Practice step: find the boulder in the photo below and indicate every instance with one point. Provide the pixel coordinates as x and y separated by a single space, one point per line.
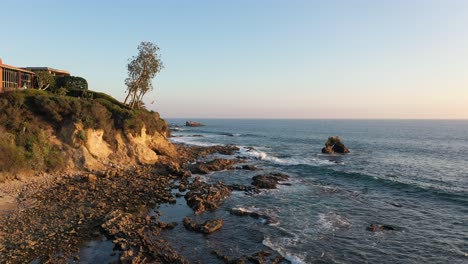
334 145
248 189
377 228
254 213
249 167
208 227
268 181
193 124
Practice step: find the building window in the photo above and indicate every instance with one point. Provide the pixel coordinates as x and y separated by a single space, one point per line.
10 78
25 80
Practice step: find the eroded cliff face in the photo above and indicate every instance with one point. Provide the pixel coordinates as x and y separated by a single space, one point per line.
87 149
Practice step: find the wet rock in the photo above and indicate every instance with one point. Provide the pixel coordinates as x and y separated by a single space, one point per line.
268 181
249 189
254 214
334 145
261 257
163 225
203 196
377 228
193 124
395 204
192 153
169 167
249 167
213 165
182 187
208 227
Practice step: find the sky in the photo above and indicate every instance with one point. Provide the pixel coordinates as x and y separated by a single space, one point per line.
398 59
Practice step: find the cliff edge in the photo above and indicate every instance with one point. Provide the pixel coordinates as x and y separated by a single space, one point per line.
41 131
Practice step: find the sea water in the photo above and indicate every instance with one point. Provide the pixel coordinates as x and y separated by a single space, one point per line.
409 174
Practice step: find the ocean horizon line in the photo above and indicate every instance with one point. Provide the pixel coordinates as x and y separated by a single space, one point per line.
344 119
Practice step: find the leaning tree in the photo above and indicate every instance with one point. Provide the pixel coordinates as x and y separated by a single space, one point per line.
141 70
44 80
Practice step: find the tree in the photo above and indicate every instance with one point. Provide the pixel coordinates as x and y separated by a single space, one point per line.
44 80
141 70
71 82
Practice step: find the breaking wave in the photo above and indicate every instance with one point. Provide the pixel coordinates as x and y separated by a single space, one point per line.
279 247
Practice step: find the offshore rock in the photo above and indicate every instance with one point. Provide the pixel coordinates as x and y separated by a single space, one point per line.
193 124
334 145
249 167
208 227
377 228
248 189
254 213
268 181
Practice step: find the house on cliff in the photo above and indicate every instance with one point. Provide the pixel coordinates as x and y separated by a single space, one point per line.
12 78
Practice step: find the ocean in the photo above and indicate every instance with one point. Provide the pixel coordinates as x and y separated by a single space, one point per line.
408 174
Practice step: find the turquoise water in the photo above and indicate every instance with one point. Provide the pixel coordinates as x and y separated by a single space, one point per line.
412 175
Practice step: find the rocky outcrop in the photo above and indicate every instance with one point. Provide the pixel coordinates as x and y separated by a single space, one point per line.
247 189
268 181
193 124
259 258
377 228
203 196
207 227
78 208
213 165
192 153
88 147
334 145
249 167
254 213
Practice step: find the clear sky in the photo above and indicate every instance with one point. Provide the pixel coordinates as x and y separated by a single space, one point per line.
259 58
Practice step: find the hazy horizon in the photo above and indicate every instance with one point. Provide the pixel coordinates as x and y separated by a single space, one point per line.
294 118
260 59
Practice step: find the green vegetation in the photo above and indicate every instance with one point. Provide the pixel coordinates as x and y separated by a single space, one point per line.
141 70
44 80
58 84
71 82
28 117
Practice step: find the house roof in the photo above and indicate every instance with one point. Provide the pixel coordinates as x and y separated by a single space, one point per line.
46 69
6 66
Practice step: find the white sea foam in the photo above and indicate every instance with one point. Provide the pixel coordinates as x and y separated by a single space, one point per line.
191 141
333 221
264 215
250 209
261 155
280 248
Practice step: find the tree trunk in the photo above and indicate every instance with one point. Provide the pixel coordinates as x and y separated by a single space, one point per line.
128 95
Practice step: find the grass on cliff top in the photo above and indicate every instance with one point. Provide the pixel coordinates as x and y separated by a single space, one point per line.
28 117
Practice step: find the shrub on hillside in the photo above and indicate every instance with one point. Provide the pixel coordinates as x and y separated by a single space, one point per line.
12 157
71 82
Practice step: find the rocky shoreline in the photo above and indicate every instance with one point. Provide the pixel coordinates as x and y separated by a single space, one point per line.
54 219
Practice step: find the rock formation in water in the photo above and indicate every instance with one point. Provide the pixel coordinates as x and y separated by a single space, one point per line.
268 181
193 124
207 227
334 145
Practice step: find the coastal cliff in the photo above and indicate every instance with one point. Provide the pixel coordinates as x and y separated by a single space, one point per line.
41 131
77 170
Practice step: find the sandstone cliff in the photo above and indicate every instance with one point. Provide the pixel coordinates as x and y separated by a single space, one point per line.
40 131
